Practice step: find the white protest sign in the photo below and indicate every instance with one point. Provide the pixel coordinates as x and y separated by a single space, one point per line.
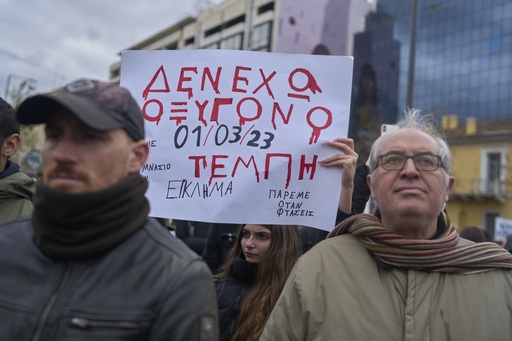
502 228
236 136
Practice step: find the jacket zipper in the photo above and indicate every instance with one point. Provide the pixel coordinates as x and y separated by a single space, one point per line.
84 323
234 323
51 302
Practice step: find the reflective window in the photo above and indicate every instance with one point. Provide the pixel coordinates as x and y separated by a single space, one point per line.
214 46
463 55
232 43
260 37
495 44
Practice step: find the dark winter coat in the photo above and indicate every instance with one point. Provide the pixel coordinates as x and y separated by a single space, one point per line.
231 292
149 287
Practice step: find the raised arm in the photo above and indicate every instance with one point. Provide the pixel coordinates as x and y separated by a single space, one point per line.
347 160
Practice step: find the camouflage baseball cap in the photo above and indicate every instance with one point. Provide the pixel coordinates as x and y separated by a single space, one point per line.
99 105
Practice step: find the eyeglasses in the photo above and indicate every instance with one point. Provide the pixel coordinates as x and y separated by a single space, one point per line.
423 162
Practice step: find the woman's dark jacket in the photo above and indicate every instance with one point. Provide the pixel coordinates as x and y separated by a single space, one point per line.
231 292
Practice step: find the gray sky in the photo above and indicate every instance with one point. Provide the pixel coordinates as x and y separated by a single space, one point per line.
56 41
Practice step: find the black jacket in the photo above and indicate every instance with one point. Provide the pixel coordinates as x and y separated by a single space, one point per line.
149 287
193 233
231 292
221 239
360 196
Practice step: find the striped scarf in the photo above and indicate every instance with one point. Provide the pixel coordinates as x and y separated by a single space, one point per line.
441 254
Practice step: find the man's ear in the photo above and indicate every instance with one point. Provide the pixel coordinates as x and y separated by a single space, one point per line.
369 182
140 152
11 145
451 182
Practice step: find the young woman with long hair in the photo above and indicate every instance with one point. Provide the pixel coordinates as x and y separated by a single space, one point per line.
251 279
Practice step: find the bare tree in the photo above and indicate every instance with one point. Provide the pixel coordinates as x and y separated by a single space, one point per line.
31 135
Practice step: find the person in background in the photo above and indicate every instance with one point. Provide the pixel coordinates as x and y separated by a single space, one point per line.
16 188
89 264
221 239
401 272
479 235
193 233
362 192
474 233
252 278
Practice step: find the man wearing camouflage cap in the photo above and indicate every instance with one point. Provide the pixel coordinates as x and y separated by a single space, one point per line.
89 264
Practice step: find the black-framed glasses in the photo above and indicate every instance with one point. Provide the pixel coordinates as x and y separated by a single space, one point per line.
423 162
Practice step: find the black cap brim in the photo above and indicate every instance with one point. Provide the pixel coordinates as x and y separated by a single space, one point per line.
36 109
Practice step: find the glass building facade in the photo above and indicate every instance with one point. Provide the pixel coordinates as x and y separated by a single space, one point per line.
462 56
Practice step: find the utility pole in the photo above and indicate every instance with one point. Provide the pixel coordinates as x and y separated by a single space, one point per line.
412 55
249 28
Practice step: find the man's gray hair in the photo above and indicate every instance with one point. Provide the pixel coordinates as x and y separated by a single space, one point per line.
413 119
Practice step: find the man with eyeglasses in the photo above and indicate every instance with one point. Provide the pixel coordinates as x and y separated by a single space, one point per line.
401 272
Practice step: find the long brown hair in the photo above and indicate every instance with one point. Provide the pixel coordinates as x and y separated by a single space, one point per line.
273 270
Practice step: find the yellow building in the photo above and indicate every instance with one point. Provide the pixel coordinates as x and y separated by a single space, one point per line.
481 166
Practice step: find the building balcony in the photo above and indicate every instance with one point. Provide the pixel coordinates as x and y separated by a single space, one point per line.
479 189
